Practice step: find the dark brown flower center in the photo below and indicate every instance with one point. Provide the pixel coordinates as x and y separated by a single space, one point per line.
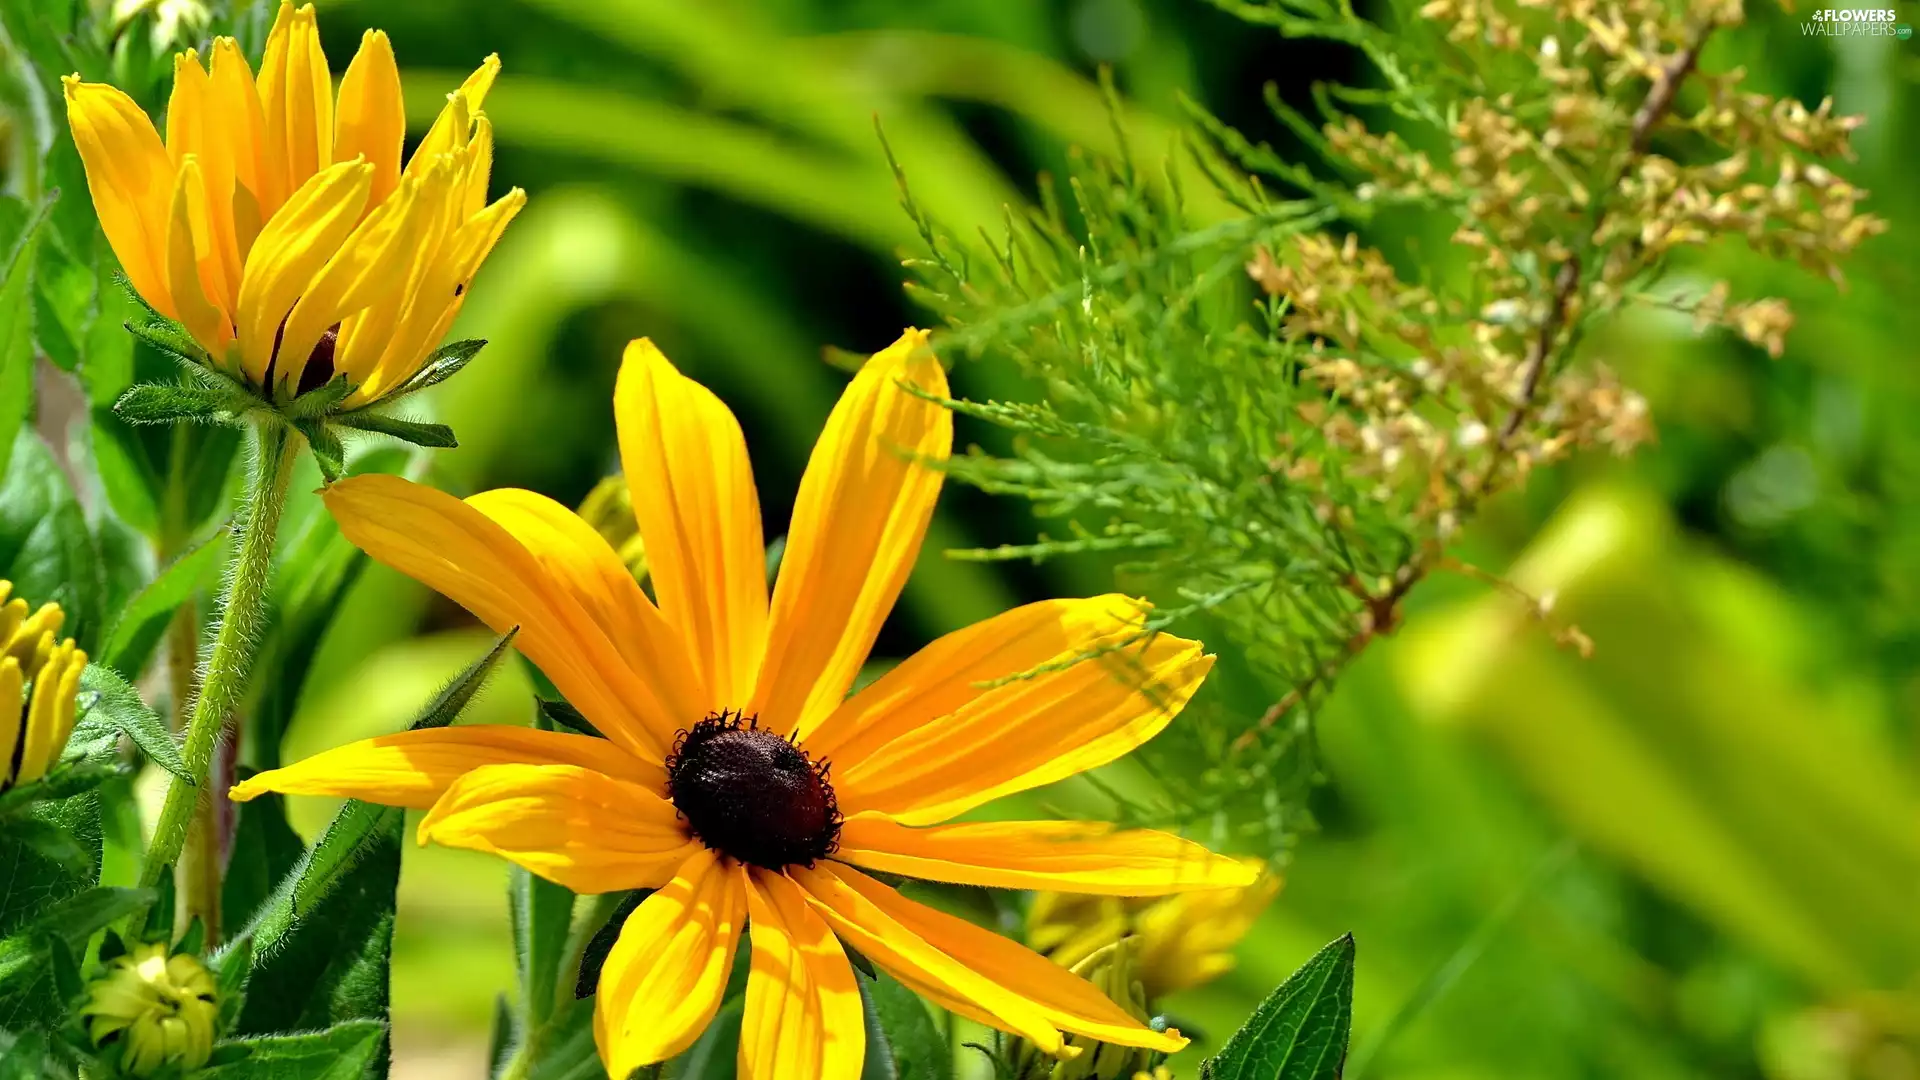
752 795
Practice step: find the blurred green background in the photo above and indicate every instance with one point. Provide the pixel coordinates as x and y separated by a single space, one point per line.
1695 855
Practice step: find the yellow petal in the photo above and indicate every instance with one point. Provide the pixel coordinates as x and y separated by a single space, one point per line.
1071 856
372 120
664 978
1066 1000
191 132
438 294
13 715
574 826
192 262
803 1018
47 723
458 551
480 169
578 560
454 126
414 768
692 486
840 895
130 179
290 251
234 112
922 768
296 96
366 337
862 510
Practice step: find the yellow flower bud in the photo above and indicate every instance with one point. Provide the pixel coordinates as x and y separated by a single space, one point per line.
39 682
160 1009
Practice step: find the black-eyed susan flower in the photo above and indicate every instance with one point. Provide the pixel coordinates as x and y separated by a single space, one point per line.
277 223
39 681
737 778
154 1009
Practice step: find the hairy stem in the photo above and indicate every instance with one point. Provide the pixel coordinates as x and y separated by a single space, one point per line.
223 680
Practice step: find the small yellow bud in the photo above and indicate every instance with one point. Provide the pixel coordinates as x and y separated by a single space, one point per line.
39 684
160 1009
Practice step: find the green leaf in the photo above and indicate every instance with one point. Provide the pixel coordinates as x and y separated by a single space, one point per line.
46 548
321 400
561 715
134 636
331 916
232 970
328 453
445 362
265 850
164 334
35 887
919 1048
594 957
341 1052
163 403
64 781
16 331
115 702
72 922
542 914
878 1062
438 436
1300 1031
126 470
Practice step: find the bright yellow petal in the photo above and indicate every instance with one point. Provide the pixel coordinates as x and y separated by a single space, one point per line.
458 551
438 293
862 510
290 251
47 722
296 96
372 120
366 337
574 826
191 132
13 715
130 179
454 126
923 767
692 485
840 895
803 1018
191 261
234 112
480 170
1068 1001
664 978
414 768
578 559
1069 856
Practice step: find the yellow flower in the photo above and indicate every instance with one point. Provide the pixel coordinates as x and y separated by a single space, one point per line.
1180 942
159 1009
737 778
39 678
276 223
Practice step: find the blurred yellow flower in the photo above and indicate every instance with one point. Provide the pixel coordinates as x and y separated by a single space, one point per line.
738 779
1180 942
39 678
276 222
159 1009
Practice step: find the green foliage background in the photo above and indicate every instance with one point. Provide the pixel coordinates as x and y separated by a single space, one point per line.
1696 854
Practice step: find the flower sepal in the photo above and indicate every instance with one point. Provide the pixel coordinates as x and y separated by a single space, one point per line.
209 394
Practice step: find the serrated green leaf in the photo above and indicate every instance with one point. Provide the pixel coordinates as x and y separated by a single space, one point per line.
232 970
161 403
919 1049
134 636
63 782
114 701
72 921
1300 1031
341 1052
437 436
